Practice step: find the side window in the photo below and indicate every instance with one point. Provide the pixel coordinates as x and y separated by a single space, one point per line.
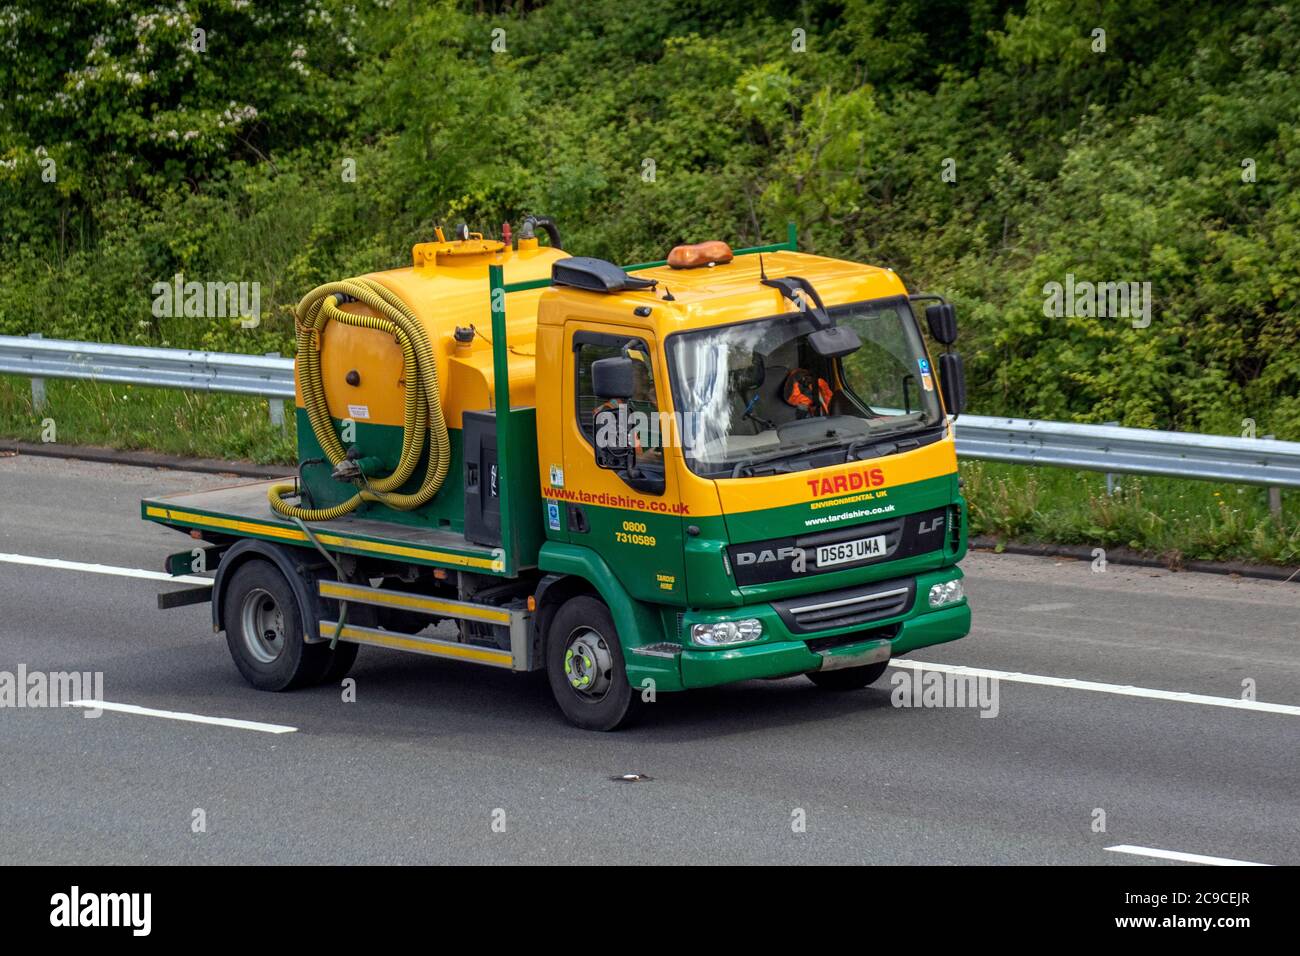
643 407
589 352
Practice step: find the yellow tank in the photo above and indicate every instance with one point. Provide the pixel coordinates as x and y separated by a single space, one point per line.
433 318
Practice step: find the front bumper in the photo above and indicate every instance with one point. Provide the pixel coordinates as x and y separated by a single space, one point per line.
782 653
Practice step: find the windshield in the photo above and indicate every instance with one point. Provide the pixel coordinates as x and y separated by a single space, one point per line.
756 392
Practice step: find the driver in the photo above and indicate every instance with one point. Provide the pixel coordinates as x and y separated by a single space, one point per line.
808 394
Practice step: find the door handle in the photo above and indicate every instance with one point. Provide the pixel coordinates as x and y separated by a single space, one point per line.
578 520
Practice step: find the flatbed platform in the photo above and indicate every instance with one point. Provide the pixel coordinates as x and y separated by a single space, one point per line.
243 510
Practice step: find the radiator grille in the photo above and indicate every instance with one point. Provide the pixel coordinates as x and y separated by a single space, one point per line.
847 607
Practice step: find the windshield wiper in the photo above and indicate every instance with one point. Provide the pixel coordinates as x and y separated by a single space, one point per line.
878 447
867 441
753 460
884 444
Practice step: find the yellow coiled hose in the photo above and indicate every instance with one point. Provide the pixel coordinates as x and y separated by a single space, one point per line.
423 418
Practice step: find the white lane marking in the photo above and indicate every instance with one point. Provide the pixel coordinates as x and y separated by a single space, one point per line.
1124 690
1181 857
189 718
101 569
1046 607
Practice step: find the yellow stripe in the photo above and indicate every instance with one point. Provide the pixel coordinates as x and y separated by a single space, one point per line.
405 552
293 534
458 652
398 599
230 524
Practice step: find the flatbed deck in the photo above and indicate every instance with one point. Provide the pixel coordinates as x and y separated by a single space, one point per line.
243 510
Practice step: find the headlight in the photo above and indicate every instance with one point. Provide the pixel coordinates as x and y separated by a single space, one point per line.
727 632
949 592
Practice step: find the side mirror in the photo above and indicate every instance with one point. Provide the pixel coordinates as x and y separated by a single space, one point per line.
942 319
612 378
616 449
611 440
952 379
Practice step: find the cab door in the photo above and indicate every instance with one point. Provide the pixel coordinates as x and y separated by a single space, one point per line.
637 532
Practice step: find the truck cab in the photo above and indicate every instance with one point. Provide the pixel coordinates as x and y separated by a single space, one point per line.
752 506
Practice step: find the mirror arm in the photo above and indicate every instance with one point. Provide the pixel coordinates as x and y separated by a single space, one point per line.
927 297
789 285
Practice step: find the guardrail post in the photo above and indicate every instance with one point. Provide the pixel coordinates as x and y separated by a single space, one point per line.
1275 499
38 384
1110 478
276 404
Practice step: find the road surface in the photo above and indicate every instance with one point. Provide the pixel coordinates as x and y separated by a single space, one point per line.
443 762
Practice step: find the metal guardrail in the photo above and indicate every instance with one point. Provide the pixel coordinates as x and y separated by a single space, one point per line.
1105 448
269 376
1135 451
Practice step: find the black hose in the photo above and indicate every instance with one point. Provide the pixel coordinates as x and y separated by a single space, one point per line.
552 230
302 480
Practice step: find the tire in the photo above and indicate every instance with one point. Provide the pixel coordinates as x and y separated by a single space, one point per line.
398 619
344 654
264 631
341 660
850 678
584 664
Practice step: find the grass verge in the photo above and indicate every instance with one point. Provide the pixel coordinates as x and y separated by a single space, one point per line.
193 424
1174 519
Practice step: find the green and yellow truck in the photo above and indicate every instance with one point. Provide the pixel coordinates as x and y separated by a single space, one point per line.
640 479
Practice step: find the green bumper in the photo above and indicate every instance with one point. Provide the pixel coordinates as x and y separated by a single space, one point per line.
782 654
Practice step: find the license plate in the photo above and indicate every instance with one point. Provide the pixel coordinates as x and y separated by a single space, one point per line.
829 555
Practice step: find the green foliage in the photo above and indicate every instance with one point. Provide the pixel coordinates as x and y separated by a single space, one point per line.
638 126
141 99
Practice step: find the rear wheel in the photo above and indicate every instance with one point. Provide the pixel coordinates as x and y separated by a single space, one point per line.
400 619
344 654
850 678
341 660
264 631
584 664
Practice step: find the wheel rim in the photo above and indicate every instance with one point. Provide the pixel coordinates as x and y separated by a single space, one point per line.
588 664
263 625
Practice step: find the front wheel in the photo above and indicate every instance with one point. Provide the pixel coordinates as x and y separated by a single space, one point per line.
850 678
584 664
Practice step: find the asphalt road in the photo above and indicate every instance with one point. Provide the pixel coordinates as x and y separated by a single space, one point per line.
431 753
